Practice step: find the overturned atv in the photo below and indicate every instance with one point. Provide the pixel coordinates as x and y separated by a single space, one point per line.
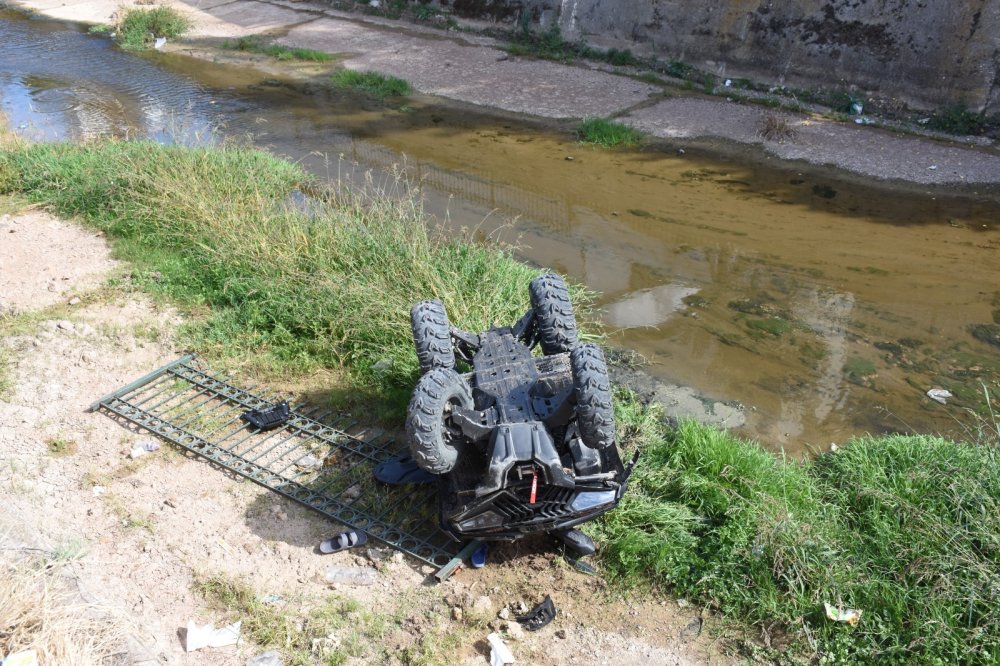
523 443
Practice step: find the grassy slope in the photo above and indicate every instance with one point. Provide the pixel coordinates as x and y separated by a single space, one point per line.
327 285
906 529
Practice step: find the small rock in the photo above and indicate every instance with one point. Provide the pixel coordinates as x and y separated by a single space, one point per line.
269 658
65 325
514 630
683 603
692 630
457 613
74 301
377 554
504 613
561 633
570 158
522 608
309 462
171 502
503 56
483 604
352 493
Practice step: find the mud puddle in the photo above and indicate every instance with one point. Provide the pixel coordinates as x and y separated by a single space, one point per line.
828 308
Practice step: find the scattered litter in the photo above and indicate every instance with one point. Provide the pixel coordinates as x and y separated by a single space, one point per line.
98 490
374 3
350 575
269 658
924 121
160 41
74 301
22 658
270 418
271 599
933 167
939 395
207 635
500 654
383 365
143 447
729 82
343 541
848 615
539 616
581 566
857 108
225 546
478 559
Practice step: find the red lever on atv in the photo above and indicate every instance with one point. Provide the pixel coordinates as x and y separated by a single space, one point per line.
534 485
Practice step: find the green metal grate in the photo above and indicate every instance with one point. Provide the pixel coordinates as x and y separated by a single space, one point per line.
323 463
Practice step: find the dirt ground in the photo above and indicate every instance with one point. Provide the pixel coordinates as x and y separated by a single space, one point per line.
138 532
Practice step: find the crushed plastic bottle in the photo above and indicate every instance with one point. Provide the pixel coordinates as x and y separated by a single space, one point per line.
351 575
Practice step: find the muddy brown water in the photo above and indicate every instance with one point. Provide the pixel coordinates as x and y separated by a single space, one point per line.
826 306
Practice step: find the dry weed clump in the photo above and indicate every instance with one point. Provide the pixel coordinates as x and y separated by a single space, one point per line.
773 127
41 610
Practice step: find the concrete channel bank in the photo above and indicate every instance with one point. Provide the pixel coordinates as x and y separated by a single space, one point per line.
470 68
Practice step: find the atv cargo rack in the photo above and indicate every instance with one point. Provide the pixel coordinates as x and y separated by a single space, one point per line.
322 463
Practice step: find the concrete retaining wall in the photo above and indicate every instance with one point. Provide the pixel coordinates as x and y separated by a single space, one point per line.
926 53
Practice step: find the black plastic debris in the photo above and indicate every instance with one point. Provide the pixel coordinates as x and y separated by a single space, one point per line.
270 418
539 616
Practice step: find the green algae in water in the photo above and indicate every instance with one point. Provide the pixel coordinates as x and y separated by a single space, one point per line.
773 327
988 333
858 368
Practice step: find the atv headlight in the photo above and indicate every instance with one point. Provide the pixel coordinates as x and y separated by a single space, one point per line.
590 500
482 520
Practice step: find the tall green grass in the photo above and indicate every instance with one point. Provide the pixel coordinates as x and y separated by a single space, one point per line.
373 83
256 44
607 133
906 529
329 283
138 28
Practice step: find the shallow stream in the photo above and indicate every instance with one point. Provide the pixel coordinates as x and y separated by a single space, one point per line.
825 306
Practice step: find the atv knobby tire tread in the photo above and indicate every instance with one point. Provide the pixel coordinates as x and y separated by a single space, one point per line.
553 314
594 411
426 427
432 336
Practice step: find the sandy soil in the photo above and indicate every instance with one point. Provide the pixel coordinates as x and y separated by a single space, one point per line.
143 529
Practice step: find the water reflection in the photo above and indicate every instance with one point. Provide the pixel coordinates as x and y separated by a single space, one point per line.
647 307
735 279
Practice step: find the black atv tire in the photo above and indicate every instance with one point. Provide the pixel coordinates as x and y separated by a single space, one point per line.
595 415
428 433
432 336
554 317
